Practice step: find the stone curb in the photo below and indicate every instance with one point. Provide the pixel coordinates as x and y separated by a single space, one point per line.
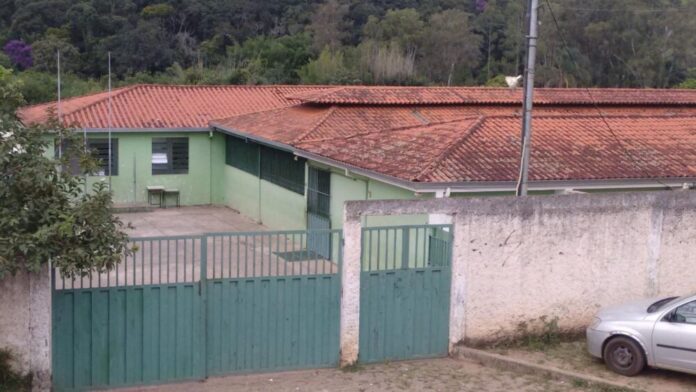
516 365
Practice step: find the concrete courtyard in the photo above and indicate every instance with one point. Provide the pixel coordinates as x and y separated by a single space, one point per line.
187 221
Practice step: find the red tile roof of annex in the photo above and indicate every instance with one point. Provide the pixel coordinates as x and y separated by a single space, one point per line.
455 144
165 106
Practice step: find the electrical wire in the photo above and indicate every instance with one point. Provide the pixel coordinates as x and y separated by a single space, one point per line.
594 103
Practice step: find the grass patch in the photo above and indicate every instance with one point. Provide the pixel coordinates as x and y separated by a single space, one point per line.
539 334
352 368
11 381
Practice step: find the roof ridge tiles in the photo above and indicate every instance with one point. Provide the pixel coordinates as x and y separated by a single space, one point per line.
449 148
48 103
218 121
597 116
382 130
117 93
312 129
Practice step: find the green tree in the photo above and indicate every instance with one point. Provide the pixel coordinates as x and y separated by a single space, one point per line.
403 27
10 96
44 212
45 54
329 26
328 68
450 45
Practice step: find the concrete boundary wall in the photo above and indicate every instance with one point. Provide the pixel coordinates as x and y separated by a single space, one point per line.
25 324
518 259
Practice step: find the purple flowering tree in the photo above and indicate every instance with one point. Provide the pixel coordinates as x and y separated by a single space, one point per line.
19 53
481 5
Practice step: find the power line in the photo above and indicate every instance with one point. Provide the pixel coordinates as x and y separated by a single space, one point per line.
594 103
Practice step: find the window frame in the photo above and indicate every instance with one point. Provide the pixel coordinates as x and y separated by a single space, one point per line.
169 144
74 164
114 156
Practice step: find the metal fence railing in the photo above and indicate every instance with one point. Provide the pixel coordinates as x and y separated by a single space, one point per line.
187 259
402 247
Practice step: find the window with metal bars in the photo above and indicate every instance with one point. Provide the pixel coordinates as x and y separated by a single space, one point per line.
170 155
242 154
283 169
276 166
99 148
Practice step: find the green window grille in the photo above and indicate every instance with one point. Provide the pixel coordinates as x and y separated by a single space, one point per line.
276 166
99 148
283 169
100 151
242 154
170 155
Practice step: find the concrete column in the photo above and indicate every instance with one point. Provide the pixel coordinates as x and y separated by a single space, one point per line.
350 291
40 326
457 319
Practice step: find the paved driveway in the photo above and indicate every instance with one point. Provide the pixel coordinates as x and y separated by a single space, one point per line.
423 375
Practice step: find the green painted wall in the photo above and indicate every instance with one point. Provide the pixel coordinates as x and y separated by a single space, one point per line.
217 169
359 188
267 203
135 168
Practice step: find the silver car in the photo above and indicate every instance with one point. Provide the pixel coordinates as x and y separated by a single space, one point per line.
659 332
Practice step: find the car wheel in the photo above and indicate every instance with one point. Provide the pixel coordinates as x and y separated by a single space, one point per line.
624 355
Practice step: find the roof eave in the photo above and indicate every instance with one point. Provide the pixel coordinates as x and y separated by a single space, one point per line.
154 130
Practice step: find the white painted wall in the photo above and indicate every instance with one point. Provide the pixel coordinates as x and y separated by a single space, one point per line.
518 259
25 324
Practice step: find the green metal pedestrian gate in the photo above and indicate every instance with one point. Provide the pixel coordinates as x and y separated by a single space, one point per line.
404 292
188 307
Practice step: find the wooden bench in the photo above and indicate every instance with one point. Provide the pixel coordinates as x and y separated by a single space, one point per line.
158 191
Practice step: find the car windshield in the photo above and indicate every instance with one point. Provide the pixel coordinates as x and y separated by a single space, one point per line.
661 303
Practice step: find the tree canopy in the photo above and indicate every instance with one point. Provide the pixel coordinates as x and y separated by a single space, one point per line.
45 213
627 43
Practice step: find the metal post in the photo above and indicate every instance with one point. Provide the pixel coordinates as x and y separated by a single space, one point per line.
109 122
532 9
58 86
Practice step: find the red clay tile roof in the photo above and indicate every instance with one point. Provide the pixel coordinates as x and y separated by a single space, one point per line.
430 135
487 149
436 144
387 95
166 106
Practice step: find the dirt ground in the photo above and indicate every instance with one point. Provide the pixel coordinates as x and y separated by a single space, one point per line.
422 375
573 356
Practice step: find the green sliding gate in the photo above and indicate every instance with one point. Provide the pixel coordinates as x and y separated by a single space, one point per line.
404 292
189 307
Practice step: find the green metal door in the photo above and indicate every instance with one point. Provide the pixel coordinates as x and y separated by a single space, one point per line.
273 304
318 211
404 292
140 324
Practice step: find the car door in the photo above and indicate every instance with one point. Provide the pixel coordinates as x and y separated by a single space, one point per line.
674 338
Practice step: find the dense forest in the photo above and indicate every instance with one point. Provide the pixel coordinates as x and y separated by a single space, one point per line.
617 43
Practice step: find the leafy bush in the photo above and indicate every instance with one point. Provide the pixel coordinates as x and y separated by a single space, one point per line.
10 381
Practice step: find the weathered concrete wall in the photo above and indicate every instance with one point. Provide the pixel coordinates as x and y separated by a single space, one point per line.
25 324
518 259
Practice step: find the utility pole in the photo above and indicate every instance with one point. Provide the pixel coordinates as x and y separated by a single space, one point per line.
532 11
